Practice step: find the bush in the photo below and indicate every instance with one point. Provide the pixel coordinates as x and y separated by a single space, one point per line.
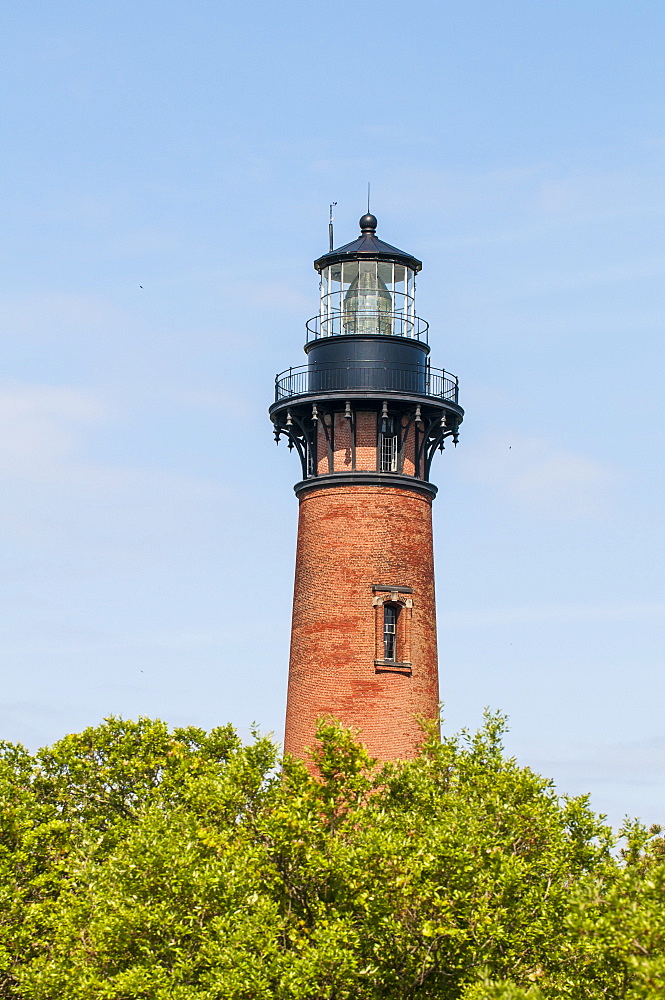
138 862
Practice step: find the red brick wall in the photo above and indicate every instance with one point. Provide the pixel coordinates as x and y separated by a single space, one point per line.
322 450
343 444
365 440
336 440
349 539
408 448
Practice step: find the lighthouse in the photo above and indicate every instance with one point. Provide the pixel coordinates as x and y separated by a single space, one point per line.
366 415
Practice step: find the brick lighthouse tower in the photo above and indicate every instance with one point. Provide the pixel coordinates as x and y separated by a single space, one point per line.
366 415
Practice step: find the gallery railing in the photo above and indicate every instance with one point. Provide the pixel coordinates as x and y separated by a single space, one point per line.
367 322
361 376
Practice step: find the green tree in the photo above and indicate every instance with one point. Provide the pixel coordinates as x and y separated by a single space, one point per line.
78 798
143 863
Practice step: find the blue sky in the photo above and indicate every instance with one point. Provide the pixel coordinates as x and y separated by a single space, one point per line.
147 521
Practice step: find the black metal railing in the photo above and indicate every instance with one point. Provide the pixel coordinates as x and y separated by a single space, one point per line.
361 376
369 323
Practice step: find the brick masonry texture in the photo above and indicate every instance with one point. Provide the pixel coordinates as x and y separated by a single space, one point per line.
349 540
408 450
343 444
365 440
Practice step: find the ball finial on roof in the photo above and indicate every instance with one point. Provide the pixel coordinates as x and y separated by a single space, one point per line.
368 224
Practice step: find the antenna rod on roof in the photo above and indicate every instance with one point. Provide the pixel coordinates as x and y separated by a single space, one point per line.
330 227
368 197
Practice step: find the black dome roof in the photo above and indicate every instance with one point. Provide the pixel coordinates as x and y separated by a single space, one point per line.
368 247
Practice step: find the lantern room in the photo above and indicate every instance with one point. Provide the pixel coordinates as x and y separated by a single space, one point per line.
367 289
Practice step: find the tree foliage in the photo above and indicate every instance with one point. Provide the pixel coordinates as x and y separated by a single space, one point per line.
138 862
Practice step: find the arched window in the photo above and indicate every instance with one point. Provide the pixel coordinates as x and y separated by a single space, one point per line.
390 616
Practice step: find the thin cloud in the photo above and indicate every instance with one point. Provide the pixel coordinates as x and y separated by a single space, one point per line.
54 491
38 316
540 478
527 202
41 428
630 763
555 614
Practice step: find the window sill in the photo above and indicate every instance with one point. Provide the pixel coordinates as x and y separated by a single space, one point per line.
392 666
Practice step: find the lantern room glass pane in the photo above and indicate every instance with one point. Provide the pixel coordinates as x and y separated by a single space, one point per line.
368 303
350 273
367 275
331 301
385 274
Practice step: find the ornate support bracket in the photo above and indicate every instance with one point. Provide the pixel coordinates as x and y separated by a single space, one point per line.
299 436
436 429
308 428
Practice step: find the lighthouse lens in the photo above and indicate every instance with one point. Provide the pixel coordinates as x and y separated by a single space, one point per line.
368 304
